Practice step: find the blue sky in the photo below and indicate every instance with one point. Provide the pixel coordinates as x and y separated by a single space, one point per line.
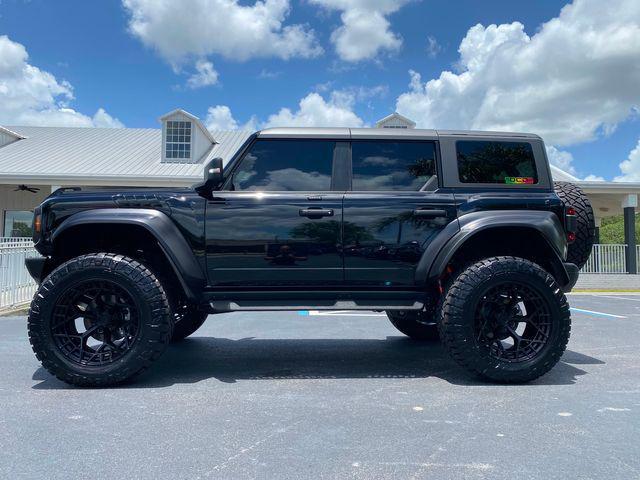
93 50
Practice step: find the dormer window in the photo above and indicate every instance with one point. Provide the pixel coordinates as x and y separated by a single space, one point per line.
178 140
184 138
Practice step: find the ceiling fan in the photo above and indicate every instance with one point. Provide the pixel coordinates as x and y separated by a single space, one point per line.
26 188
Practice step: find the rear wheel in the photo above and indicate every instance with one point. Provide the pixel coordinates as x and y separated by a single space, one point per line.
506 319
572 195
417 325
99 319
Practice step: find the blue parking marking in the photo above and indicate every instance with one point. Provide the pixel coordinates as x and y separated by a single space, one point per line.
597 314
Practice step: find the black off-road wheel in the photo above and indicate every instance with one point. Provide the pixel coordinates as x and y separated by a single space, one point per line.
506 319
186 320
572 195
417 325
99 319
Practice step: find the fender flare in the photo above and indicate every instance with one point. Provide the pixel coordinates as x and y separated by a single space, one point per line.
172 242
446 244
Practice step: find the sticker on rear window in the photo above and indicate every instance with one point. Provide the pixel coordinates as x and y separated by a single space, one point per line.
519 180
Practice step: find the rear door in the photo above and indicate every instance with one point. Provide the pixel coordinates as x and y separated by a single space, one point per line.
393 211
278 220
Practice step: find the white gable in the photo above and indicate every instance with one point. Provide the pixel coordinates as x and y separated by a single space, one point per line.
395 120
8 136
184 138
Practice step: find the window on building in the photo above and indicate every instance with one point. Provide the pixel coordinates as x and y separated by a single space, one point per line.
509 163
286 165
18 223
394 165
178 141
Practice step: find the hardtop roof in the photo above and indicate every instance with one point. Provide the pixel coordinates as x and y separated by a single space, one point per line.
382 133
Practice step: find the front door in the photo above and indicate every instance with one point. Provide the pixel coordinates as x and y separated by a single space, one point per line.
393 211
278 220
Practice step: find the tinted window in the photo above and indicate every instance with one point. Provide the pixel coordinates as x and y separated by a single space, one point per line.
381 165
496 162
286 165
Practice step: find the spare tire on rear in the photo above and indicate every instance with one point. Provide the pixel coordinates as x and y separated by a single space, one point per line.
573 196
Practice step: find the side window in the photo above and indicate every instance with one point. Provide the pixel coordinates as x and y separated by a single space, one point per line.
392 165
510 163
286 165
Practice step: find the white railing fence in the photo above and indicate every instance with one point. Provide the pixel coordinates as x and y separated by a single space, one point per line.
16 285
606 258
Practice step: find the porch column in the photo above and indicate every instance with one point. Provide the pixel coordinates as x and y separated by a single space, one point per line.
629 204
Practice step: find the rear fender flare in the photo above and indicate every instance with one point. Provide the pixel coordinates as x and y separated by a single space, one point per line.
446 244
171 241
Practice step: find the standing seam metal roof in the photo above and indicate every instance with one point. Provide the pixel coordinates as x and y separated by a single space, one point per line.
103 152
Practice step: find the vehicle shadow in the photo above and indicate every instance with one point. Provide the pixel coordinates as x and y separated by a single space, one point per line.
227 360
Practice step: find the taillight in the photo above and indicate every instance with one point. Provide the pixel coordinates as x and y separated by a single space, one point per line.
570 223
37 224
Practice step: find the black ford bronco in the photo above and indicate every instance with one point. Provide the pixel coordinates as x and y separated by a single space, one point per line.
461 236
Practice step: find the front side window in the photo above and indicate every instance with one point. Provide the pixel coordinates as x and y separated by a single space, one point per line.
392 165
285 165
17 223
178 141
510 163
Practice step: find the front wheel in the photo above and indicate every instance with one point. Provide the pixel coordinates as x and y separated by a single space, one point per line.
506 319
99 319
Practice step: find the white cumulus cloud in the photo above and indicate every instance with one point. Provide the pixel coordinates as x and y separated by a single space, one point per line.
313 111
365 31
630 167
204 76
577 77
30 96
236 30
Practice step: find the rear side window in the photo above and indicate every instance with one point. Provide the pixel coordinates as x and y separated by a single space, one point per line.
510 163
392 165
285 165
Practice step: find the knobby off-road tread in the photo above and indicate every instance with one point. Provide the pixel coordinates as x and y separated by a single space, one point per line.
453 326
158 326
572 195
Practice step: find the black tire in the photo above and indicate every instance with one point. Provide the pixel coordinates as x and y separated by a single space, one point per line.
187 320
466 309
572 195
417 325
120 304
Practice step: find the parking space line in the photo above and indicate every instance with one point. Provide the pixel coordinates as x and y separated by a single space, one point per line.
597 314
618 297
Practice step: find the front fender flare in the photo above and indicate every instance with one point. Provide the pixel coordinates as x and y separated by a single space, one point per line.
171 241
446 244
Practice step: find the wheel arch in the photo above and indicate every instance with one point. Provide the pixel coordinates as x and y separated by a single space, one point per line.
151 227
535 235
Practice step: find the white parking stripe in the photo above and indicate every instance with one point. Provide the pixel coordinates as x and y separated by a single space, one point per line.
599 314
617 297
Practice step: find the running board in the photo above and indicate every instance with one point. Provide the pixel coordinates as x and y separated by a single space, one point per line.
278 301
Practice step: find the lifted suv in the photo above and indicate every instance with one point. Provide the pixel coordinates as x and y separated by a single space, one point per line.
456 235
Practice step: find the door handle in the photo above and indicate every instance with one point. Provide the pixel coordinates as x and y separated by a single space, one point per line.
429 213
315 212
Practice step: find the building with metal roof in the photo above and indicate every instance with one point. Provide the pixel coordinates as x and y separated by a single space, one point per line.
36 160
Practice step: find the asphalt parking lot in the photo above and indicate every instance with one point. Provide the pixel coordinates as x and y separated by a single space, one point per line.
339 395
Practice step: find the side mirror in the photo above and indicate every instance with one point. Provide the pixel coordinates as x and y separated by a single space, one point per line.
213 176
